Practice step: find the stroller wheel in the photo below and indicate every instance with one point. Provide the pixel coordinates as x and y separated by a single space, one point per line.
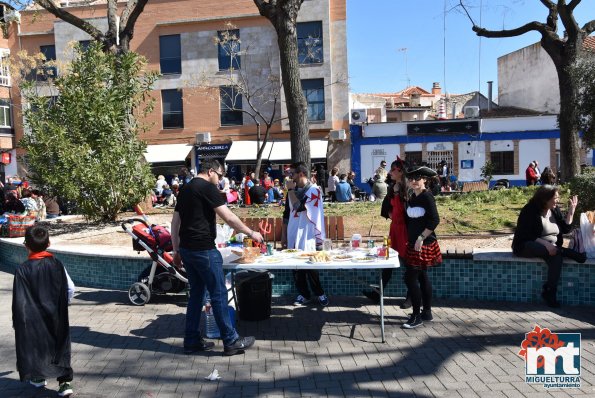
139 293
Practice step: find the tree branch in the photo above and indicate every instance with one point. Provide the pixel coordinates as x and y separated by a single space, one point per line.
548 3
552 17
589 27
112 15
83 25
567 16
572 5
537 26
466 12
266 9
129 16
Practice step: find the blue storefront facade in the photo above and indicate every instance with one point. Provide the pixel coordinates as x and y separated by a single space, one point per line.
510 144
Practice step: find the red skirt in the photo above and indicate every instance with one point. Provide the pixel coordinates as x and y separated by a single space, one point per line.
428 256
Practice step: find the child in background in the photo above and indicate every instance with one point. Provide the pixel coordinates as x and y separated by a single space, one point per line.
41 293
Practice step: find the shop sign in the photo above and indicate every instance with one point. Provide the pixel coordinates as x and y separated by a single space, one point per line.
462 127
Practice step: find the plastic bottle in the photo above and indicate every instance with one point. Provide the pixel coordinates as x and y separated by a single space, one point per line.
388 243
212 331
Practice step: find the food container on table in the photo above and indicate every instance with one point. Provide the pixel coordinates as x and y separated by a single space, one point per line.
356 241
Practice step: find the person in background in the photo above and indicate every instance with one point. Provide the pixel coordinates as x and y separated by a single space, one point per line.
193 233
277 190
175 188
548 177
258 195
29 203
537 170
286 178
379 189
267 184
322 177
381 171
331 185
159 185
343 190
444 186
37 196
247 184
351 181
41 293
423 250
167 196
13 205
303 228
393 207
52 207
539 233
530 176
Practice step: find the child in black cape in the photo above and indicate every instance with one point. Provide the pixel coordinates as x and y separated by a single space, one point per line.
40 296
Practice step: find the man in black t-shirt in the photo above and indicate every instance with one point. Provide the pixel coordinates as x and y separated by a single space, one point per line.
193 232
258 194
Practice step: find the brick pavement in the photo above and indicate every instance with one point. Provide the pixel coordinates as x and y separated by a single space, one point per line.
469 350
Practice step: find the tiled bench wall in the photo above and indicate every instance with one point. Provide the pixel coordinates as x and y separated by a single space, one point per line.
488 276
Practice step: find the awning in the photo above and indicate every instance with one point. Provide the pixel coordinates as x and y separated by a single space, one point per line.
276 151
167 153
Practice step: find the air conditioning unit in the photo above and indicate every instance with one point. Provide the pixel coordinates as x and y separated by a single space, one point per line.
202 138
359 116
337 135
471 112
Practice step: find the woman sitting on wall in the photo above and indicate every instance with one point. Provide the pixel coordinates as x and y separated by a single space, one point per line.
540 227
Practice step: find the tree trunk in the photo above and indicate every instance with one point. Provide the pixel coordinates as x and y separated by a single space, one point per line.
568 122
297 108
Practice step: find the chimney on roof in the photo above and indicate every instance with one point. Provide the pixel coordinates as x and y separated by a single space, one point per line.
436 88
490 83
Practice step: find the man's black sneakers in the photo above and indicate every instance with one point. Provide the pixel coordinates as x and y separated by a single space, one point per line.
202 345
239 346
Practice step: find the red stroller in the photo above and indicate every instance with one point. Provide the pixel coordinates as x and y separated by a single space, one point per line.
161 276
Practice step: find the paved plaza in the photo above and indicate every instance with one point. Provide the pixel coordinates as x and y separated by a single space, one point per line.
469 350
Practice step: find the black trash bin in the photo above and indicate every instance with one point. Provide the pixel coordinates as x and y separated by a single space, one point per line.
254 290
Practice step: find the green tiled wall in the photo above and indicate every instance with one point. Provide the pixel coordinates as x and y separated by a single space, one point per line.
519 281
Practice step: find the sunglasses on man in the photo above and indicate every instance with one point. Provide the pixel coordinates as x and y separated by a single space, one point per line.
414 178
220 175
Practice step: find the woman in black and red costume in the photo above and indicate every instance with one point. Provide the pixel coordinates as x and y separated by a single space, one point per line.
423 250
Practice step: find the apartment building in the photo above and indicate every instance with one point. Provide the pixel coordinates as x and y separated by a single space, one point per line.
7 144
194 116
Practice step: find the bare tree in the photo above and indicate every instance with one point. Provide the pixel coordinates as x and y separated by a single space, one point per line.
564 52
283 16
120 27
245 92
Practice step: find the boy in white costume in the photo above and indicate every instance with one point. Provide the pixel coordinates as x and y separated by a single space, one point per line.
303 219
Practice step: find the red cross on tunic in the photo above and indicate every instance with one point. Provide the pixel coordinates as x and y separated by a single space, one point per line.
315 198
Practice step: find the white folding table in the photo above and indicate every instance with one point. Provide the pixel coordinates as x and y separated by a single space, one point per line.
295 263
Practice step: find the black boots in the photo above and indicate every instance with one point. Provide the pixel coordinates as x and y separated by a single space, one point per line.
574 255
549 295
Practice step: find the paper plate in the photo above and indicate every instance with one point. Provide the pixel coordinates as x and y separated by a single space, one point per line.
342 257
270 260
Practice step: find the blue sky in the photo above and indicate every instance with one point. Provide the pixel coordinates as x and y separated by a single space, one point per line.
377 29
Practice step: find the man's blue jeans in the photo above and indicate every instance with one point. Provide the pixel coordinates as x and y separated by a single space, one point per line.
204 269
